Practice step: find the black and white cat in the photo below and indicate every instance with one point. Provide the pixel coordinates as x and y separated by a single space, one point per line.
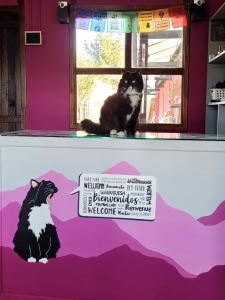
119 113
36 238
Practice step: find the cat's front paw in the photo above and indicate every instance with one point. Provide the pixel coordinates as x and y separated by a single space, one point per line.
121 134
137 134
32 260
43 260
113 132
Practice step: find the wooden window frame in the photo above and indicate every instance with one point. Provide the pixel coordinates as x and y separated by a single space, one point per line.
148 127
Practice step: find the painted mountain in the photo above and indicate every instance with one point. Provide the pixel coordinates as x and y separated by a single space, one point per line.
175 239
83 236
216 217
120 274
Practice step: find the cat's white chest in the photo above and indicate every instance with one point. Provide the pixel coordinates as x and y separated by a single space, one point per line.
39 217
134 100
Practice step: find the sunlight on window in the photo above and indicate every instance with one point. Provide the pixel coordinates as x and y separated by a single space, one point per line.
92 92
100 50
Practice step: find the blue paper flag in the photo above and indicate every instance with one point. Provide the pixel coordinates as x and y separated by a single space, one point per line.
98 21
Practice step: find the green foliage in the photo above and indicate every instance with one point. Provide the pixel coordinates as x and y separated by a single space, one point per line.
104 51
85 86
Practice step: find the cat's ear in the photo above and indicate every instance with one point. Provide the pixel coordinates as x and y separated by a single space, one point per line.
137 72
125 72
34 183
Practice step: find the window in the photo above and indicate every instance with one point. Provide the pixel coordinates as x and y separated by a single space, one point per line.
101 57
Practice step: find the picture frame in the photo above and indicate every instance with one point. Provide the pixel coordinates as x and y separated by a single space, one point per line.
33 38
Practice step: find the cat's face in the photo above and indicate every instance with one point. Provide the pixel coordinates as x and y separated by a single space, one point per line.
42 192
131 81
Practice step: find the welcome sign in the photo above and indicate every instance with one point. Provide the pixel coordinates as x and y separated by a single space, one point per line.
117 196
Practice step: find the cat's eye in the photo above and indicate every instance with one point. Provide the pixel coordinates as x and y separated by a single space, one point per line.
133 81
126 81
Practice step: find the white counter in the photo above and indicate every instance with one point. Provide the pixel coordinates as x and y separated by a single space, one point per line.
99 257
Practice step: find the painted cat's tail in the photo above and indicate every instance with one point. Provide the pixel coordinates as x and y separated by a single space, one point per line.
91 127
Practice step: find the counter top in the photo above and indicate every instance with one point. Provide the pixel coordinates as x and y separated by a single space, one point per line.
141 135
143 142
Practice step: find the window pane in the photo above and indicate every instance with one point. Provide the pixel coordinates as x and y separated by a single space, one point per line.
92 90
99 49
157 49
161 102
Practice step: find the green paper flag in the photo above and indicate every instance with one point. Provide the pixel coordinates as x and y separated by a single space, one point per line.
130 22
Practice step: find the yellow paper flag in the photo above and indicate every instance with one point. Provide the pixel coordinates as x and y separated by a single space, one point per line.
146 21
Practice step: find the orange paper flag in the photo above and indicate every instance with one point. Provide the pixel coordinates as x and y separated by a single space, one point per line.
162 20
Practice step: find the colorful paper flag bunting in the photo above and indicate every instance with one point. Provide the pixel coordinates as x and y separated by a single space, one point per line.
142 21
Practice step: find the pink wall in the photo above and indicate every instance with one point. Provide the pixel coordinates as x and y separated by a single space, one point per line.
47 67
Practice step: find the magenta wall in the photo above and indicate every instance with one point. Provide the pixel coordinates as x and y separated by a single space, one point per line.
47 67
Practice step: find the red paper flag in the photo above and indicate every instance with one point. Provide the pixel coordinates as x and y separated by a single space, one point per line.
178 17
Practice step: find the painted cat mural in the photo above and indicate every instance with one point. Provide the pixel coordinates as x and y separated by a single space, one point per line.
36 238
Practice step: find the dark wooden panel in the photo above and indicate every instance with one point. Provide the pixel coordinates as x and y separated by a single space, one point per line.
4 71
10 78
9 119
6 127
9 19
